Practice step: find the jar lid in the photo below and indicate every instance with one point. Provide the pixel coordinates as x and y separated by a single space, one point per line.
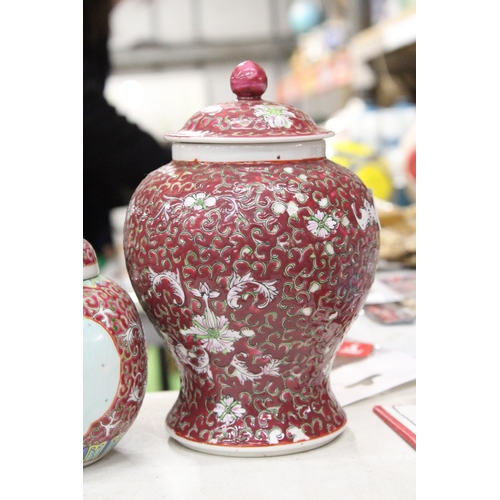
90 264
248 119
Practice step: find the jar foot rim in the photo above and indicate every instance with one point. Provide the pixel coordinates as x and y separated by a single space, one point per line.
271 450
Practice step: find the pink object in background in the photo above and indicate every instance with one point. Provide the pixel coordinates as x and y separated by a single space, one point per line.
401 419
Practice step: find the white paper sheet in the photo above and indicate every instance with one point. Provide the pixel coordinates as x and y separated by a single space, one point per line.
367 377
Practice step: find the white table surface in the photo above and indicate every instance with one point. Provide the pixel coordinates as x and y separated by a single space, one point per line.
367 461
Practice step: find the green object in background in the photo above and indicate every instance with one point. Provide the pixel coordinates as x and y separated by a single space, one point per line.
162 372
155 370
161 366
173 377
101 260
174 381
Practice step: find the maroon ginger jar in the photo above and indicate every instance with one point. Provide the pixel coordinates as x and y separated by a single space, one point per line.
252 254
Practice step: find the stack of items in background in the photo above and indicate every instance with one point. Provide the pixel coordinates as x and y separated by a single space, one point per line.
381 10
353 70
379 144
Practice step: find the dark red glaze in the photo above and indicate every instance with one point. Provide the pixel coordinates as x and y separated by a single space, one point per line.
252 272
248 80
89 255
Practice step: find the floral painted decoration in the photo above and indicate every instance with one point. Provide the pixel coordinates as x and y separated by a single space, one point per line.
248 118
252 272
252 303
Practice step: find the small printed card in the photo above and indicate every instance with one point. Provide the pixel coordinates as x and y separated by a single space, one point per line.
404 283
390 314
354 349
402 419
381 293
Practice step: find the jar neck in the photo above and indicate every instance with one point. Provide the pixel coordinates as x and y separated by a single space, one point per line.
90 271
184 151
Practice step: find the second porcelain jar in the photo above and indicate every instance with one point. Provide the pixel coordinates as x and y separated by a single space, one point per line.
252 254
115 361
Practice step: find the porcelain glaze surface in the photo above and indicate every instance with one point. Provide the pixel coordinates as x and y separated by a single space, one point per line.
187 151
249 119
252 272
114 361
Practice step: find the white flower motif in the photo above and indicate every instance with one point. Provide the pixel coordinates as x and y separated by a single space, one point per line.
272 368
168 170
104 315
228 410
114 420
137 392
199 201
301 197
275 435
297 434
368 215
173 279
133 330
321 224
329 248
237 285
204 291
213 332
292 209
211 110
198 359
275 116
278 208
244 374
247 332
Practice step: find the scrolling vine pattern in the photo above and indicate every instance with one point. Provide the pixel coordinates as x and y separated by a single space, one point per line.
252 274
106 303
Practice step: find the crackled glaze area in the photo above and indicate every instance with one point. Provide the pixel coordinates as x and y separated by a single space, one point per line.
252 273
115 365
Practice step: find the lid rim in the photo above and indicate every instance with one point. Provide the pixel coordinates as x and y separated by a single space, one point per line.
90 271
173 137
249 118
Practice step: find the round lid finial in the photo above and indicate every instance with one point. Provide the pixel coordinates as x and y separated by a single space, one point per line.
248 80
249 118
90 263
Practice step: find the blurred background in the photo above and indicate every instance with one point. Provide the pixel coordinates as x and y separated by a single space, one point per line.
349 64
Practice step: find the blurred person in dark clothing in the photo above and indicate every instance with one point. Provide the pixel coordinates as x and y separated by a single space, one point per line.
117 154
